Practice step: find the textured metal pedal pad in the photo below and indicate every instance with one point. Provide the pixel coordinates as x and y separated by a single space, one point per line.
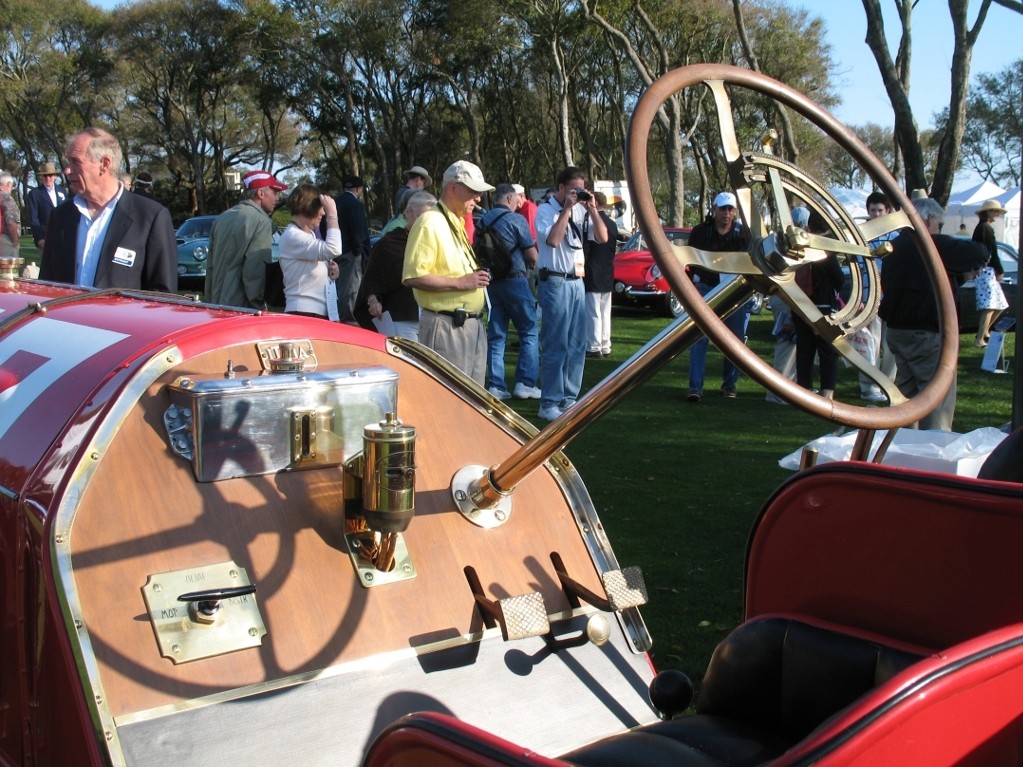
524 615
624 588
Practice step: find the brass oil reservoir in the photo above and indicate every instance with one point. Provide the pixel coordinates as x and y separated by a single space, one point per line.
389 476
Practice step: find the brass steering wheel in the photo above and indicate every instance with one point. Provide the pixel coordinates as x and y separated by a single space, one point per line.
767 188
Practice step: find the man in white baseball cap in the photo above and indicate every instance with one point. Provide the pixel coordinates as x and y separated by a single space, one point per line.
527 208
240 245
720 232
447 281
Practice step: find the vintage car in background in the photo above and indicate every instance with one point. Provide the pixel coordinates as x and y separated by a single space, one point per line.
193 238
1010 286
637 278
239 538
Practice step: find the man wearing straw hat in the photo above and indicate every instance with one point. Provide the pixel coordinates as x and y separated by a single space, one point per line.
417 178
41 200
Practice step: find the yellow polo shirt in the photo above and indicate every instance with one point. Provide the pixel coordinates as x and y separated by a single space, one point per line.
437 244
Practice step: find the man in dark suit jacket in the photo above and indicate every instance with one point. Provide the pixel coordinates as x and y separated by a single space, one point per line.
41 200
127 240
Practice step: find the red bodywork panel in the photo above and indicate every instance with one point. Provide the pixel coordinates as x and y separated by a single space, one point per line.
49 404
911 559
929 559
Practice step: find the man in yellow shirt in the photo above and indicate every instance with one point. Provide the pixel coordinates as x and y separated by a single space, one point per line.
445 278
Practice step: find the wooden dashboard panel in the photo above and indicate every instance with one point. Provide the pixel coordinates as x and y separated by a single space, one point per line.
143 513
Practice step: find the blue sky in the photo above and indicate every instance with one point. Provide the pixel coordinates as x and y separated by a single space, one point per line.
858 81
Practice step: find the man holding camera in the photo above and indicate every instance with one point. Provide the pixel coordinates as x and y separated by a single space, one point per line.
441 269
564 224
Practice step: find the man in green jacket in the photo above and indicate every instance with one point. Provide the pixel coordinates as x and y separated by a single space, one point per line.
240 243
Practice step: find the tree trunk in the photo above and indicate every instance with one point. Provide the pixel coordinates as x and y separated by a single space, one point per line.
948 156
788 139
895 76
564 127
669 116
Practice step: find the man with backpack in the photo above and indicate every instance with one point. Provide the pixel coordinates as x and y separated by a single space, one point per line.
505 246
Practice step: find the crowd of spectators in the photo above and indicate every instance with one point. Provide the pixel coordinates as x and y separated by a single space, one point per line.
423 279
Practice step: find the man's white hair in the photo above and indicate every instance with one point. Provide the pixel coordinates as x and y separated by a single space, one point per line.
928 207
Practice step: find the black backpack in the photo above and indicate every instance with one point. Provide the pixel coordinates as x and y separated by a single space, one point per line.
490 250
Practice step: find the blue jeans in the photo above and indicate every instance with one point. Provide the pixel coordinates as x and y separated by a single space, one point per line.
563 338
737 322
511 299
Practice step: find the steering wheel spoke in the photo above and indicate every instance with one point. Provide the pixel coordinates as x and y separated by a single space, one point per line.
884 225
767 188
723 262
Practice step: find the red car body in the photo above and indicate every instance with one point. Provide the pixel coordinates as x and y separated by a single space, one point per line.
146 454
638 280
883 623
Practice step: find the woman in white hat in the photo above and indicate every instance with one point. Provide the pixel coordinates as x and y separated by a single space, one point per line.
990 298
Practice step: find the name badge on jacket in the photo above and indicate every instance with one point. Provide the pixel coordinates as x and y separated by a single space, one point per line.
124 257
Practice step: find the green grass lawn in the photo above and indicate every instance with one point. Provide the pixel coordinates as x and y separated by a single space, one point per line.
678 485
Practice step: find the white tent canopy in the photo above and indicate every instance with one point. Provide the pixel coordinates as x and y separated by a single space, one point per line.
853 200
1006 227
985 190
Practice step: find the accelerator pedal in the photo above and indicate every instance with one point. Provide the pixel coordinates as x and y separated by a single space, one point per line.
622 588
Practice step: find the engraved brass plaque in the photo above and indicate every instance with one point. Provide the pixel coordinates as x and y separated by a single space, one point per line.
301 348
183 638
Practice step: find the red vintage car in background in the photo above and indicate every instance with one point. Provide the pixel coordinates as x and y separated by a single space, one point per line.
236 538
638 278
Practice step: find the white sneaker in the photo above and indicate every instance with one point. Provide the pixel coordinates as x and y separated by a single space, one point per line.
549 413
501 394
874 396
522 391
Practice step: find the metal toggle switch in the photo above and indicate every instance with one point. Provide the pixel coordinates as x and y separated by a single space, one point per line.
203 622
206 606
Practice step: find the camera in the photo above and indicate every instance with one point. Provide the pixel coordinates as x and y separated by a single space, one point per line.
582 195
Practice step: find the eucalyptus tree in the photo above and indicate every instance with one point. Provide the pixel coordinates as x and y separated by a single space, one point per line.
369 103
787 44
655 37
895 74
993 134
658 36
839 168
268 33
55 77
548 29
458 44
184 78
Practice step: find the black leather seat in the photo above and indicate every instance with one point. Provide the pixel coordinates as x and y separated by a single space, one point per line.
769 684
1005 463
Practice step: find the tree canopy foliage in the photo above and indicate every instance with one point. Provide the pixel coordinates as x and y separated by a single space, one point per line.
320 88
993 135
314 89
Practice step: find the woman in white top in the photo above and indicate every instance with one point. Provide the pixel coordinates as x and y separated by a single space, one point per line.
307 262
